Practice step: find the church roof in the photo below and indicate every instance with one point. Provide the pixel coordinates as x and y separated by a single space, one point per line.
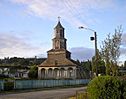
58 25
60 63
57 50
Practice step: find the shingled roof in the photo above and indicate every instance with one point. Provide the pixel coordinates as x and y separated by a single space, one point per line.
57 63
59 25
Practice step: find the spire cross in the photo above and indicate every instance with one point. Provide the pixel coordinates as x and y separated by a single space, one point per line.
59 18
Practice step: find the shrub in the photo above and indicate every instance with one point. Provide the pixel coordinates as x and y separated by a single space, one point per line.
124 89
8 85
33 73
106 87
2 76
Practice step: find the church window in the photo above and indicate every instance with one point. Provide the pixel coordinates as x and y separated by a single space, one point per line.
57 44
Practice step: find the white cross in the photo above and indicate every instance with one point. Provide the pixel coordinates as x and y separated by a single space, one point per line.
59 18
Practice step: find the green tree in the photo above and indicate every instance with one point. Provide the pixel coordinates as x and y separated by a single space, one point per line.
33 73
78 62
110 50
98 67
86 66
125 64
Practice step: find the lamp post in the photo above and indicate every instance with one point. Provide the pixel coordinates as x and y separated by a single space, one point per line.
95 39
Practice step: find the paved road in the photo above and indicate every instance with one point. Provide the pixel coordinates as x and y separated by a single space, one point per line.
48 94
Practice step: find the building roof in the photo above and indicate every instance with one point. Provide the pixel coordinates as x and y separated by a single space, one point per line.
57 50
58 25
59 63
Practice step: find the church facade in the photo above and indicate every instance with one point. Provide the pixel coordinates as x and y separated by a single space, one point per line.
58 64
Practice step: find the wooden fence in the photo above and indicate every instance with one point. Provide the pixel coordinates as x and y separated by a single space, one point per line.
1 85
29 84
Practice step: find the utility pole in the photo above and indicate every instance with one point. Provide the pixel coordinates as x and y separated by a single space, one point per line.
96 50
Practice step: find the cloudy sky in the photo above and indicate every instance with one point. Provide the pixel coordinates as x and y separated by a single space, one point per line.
26 26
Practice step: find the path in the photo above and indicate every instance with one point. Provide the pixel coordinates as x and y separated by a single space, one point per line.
48 94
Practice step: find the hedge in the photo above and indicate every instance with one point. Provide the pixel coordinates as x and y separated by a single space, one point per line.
106 87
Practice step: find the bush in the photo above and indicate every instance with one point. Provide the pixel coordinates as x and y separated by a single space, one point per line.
8 85
124 89
33 73
106 87
2 76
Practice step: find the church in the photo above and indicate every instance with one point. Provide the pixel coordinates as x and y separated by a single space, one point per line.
58 64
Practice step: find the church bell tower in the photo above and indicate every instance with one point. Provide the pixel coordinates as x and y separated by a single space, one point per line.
59 41
58 64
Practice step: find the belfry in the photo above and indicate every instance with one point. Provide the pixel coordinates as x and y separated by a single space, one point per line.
58 64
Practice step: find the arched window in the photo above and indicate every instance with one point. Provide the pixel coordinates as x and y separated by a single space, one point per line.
50 73
70 72
43 73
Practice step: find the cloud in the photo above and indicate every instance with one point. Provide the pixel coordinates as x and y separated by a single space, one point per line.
123 51
11 46
82 53
123 45
18 46
76 12
124 40
15 45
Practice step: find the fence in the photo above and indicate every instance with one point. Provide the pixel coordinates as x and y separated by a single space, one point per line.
1 85
29 84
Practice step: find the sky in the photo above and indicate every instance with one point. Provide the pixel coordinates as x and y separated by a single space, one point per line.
27 26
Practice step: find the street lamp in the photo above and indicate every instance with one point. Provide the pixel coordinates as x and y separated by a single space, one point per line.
95 39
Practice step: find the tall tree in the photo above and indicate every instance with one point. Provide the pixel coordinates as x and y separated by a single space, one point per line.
86 66
98 67
33 73
125 64
110 50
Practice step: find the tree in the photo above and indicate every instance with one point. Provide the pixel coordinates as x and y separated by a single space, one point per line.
98 67
111 51
33 73
78 62
86 65
85 68
125 64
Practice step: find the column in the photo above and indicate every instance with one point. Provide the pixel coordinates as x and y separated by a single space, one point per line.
65 73
74 70
58 74
68 74
39 73
46 73
52 73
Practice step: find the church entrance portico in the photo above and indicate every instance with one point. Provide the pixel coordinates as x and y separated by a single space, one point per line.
57 73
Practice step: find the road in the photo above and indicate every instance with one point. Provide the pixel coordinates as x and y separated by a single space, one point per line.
46 94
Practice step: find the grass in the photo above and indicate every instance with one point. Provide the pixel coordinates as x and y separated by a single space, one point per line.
82 95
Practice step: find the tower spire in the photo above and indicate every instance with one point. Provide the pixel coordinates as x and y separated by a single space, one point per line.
58 24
